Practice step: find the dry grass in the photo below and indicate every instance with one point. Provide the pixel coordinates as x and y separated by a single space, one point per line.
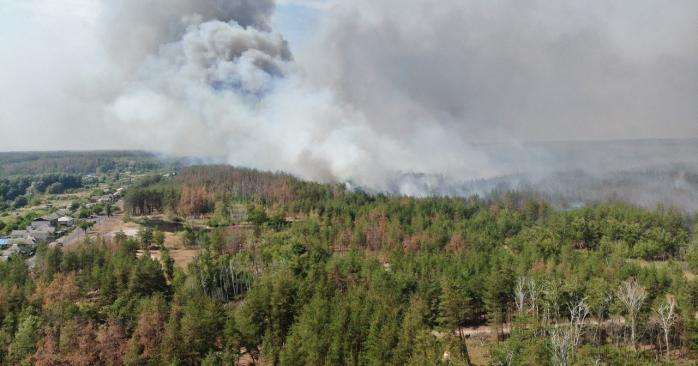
182 257
478 351
114 224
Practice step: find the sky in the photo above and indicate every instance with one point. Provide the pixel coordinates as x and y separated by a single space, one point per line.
351 90
36 113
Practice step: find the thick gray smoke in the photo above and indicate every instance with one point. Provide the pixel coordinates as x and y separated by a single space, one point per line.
415 97
133 29
231 90
529 70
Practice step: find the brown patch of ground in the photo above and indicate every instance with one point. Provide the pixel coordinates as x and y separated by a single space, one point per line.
246 360
110 226
478 350
182 257
173 241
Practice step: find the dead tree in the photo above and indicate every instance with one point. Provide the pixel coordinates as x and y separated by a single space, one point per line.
578 315
565 338
520 294
561 342
667 318
533 294
632 296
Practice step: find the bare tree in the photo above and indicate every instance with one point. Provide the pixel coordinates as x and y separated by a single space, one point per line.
632 296
578 315
520 294
565 338
533 294
667 317
561 342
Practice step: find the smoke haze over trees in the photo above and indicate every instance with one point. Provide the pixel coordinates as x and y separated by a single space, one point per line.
379 90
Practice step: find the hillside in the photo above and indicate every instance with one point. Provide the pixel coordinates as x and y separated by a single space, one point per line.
269 269
87 162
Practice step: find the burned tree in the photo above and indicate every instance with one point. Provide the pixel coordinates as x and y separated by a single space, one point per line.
632 296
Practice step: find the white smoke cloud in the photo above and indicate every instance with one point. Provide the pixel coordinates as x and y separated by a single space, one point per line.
234 92
382 89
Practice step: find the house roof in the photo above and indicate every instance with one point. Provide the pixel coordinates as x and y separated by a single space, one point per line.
39 225
51 217
66 218
18 233
24 241
42 229
4 241
39 235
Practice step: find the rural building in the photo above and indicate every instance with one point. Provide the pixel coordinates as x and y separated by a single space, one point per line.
48 220
66 221
35 235
42 234
18 234
27 249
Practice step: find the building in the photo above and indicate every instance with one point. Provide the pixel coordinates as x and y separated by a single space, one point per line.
42 234
4 243
48 220
24 242
20 249
18 234
35 235
39 223
106 199
66 221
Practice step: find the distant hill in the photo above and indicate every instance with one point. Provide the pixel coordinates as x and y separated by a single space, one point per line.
568 174
83 162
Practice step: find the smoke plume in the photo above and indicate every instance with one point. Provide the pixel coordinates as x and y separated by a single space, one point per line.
412 97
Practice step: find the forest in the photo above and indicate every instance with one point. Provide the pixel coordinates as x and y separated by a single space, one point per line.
15 190
325 275
82 163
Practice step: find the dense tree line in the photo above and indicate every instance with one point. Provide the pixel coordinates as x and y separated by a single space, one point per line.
11 188
229 183
151 194
81 163
195 190
323 275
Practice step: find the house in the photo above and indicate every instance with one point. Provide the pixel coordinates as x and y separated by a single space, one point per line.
18 234
106 199
66 221
48 220
26 242
38 223
34 235
21 249
42 234
4 243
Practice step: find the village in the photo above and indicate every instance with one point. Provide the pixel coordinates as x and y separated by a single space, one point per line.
61 227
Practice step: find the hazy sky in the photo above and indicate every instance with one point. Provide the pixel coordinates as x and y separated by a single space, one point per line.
49 60
331 89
